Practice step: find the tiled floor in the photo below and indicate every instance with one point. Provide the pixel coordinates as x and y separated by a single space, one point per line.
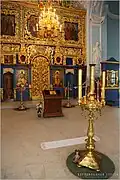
23 132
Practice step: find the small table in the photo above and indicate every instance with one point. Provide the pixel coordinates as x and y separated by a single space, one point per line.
52 103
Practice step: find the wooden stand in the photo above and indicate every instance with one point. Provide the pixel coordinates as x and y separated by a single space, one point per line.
52 103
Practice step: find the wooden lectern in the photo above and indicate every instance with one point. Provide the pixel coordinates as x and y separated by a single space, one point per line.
52 103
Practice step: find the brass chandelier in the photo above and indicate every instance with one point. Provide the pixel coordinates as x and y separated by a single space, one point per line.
48 25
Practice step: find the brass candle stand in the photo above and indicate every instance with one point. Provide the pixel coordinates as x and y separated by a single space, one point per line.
21 107
92 107
88 163
90 158
68 104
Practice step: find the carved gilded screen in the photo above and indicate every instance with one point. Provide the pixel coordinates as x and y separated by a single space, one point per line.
40 76
72 26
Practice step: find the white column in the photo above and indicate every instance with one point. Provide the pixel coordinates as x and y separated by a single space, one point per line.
88 42
97 37
103 88
91 42
105 36
79 86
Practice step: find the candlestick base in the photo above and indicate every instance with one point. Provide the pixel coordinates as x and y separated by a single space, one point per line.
107 167
90 160
103 102
22 107
68 104
78 103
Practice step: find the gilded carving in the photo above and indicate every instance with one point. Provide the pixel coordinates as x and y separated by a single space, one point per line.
75 53
10 48
31 51
40 76
66 16
58 58
8 54
5 70
37 49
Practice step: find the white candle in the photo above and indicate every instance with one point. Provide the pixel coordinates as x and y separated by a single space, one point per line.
103 86
79 85
92 78
103 79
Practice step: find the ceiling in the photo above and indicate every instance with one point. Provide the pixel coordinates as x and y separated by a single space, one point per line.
93 5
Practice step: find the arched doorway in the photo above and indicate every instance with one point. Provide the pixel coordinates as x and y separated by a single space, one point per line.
40 76
8 92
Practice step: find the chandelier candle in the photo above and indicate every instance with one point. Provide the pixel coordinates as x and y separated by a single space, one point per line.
49 25
79 85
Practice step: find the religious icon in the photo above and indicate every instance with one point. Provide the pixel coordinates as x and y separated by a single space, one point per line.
58 61
22 59
22 55
58 78
8 25
112 78
22 79
8 59
80 61
71 31
32 25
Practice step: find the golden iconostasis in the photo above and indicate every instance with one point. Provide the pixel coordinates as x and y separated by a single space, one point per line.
23 43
